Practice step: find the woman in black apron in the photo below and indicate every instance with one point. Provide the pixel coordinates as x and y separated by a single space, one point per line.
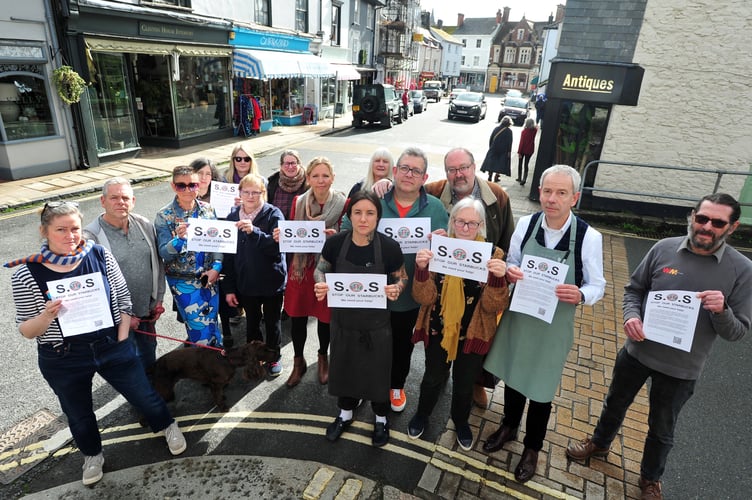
361 343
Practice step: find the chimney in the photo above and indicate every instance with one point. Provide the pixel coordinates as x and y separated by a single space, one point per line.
551 18
460 20
505 18
498 16
559 12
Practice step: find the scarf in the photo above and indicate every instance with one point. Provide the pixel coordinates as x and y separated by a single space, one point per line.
308 209
292 184
46 255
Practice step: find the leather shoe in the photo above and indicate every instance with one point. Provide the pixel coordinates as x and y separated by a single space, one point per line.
480 397
323 369
503 435
380 434
336 428
585 449
650 490
526 468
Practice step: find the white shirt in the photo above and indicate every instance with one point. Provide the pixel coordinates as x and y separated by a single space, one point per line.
593 283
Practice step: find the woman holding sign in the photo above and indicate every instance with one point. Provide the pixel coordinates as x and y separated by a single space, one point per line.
456 322
256 275
361 363
49 290
320 203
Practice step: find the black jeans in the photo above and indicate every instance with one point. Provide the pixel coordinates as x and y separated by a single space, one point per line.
465 370
380 408
537 417
268 307
403 323
667 397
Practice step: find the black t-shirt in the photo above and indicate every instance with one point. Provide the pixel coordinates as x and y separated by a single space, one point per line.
364 256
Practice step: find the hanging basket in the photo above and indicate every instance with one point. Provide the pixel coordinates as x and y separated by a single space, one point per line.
69 84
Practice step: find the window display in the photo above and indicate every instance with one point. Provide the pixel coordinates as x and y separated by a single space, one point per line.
202 95
24 103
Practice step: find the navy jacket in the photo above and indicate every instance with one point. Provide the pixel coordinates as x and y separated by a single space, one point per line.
258 268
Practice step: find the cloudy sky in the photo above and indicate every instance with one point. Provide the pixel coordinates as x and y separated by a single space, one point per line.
533 10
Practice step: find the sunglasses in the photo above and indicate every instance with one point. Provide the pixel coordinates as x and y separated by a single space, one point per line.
716 223
182 186
242 158
57 204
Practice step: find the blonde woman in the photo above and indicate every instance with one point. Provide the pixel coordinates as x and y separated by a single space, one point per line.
242 163
380 167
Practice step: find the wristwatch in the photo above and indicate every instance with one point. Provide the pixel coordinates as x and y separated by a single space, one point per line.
582 299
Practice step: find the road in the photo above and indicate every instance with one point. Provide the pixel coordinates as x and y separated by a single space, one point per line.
268 419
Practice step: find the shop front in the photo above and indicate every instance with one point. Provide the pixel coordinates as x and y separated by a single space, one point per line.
336 92
580 96
277 81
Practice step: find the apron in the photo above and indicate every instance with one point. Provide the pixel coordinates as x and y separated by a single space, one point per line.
528 354
360 361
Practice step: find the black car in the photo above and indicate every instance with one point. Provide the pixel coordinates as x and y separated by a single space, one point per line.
376 103
470 105
516 108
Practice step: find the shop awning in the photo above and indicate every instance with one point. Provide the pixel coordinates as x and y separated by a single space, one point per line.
346 71
265 64
164 48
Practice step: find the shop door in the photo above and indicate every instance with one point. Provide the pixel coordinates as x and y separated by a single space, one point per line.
110 104
154 95
580 135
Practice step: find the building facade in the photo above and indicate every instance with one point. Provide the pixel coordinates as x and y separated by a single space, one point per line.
476 35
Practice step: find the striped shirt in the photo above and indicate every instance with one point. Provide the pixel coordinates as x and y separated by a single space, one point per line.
30 300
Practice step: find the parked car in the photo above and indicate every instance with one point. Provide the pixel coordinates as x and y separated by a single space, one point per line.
513 93
433 90
454 93
376 103
516 108
420 100
468 105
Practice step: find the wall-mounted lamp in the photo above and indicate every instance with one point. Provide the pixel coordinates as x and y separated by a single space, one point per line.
231 35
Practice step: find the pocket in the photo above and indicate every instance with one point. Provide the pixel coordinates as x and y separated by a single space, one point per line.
52 352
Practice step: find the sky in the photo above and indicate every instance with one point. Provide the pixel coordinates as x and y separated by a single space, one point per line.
533 10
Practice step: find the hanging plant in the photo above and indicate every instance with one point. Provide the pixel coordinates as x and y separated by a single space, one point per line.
69 84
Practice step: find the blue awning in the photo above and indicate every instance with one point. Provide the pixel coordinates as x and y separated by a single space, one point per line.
265 64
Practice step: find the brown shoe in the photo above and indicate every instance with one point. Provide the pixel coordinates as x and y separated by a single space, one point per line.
526 468
650 490
480 397
299 368
503 435
323 369
585 449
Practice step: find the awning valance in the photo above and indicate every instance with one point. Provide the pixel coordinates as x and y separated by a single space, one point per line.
346 71
141 47
264 64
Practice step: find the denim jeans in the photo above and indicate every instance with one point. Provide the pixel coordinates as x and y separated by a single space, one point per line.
465 369
69 368
667 396
145 344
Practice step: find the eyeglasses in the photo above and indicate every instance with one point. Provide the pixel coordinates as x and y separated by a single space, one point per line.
465 224
57 204
242 158
250 194
413 172
459 170
289 163
716 223
182 186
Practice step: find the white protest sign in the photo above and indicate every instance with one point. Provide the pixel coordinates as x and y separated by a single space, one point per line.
360 291
535 293
297 236
671 318
410 233
211 235
223 196
86 305
462 258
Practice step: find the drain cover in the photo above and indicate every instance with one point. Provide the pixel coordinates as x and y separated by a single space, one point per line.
17 455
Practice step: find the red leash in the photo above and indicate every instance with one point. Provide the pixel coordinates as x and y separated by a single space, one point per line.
158 312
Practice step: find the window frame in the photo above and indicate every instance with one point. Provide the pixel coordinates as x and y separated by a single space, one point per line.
262 12
301 15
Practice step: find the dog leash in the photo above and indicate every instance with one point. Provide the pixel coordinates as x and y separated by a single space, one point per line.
221 350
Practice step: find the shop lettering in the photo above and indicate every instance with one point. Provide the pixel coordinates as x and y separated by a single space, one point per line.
279 43
584 82
161 29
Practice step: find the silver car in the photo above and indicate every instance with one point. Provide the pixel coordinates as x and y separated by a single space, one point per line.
420 101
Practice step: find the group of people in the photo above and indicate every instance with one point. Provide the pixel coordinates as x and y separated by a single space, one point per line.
465 325
498 160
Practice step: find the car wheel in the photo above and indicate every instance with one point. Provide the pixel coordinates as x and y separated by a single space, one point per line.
449 117
400 116
477 118
370 104
388 122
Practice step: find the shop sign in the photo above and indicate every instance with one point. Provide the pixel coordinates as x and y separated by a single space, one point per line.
269 41
598 83
165 30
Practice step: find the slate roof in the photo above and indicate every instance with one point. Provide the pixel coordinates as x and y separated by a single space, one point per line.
476 26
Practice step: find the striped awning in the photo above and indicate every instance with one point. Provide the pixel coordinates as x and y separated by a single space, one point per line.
265 64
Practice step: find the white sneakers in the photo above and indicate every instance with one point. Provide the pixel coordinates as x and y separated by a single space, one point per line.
92 469
175 439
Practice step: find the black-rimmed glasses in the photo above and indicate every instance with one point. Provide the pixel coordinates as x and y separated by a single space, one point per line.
716 223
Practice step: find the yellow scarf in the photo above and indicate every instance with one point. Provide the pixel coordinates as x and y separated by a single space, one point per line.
452 310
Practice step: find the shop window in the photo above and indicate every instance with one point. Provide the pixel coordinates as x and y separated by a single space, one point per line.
261 8
301 15
202 95
24 102
288 95
328 91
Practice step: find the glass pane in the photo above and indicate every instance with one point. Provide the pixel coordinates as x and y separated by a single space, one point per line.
152 74
582 128
202 95
24 106
114 123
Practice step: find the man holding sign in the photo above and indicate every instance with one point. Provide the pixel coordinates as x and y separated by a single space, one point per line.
699 266
529 353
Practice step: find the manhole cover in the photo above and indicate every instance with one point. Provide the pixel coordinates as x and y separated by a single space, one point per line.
17 453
